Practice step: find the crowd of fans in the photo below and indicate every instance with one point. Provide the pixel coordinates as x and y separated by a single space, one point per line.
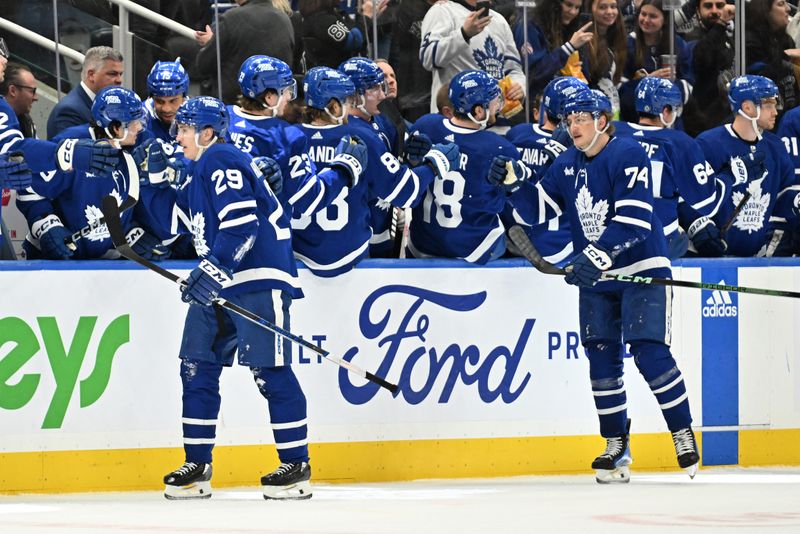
609 45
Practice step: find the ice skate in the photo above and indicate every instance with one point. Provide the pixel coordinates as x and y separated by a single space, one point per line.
289 481
189 481
686 449
612 467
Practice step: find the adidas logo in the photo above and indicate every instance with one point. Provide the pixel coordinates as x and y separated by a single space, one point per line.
316 136
719 304
638 133
450 138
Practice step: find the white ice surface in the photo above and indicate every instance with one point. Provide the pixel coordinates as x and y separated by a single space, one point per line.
717 500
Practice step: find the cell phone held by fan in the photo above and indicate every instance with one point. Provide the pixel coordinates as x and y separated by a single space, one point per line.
584 19
483 6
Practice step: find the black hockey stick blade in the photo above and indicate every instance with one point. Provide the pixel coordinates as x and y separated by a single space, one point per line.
70 241
745 197
520 239
111 214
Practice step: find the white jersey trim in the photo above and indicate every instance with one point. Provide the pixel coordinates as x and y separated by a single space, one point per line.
263 273
335 265
656 262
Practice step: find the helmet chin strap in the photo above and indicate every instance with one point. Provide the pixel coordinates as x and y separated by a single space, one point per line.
340 119
272 109
202 148
597 134
665 123
753 120
482 123
116 142
362 105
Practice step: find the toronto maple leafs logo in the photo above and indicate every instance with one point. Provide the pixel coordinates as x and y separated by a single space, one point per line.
591 215
489 59
92 214
751 218
198 234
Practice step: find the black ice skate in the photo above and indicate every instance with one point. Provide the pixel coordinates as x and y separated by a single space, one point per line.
686 449
613 465
189 481
289 481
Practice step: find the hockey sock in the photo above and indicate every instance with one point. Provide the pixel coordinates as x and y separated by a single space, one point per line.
201 403
659 369
608 388
287 411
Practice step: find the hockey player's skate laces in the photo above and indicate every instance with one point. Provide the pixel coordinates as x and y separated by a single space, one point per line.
189 481
288 481
686 449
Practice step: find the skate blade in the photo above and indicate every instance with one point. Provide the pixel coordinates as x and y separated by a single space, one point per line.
691 470
296 492
620 475
197 490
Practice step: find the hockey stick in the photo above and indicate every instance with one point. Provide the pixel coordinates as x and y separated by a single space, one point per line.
111 215
520 239
745 197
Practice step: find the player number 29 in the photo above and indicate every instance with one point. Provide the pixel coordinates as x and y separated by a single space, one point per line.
228 178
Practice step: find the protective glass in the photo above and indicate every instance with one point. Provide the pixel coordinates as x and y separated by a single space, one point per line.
580 118
290 91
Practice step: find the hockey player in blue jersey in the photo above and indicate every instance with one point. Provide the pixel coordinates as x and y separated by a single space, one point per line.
460 215
168 85
685 190
257 128
752 160
242 236
60 203
334 240
603 186
539 145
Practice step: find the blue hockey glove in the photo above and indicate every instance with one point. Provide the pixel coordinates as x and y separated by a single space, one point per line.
706 238
146 245
271 171
777 243
205 282
748 167
508 173
177 171
51 235
14 172
87 156
443 157
351 154
558 143
416 147
586 269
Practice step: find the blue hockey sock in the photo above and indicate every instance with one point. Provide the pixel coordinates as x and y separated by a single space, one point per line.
608 388
661 372
287 411
201 403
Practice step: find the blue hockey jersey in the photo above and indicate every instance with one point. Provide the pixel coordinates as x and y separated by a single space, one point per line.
554 239
161 131
232 214
771 195
608 200
789 132
460 215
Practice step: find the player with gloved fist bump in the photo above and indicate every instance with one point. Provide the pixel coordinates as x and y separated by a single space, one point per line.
146 245
271 171
442 158
508 173
351 154
707 238
97 157
588 267
417 146
14 172
205 282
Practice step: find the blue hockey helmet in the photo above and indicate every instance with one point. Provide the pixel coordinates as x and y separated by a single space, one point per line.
654 94
260 73
365 73
168 78
472 88
588 100
115 103
753 88
556 93
203 112
321 84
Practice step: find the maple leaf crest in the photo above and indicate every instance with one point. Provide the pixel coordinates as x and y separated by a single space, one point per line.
751 218
92 213
489 59
198 234
591 215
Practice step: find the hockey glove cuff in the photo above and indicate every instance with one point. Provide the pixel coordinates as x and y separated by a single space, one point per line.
416 147
205 282
146 245
14 172
87 156
351 154
588 267
271 171
706 238
51 236
507 173
443 157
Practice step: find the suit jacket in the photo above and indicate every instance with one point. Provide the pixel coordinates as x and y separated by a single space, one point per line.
74 109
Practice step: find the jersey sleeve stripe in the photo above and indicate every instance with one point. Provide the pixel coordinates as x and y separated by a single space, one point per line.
487 243
264 273
303 190
238 221
630 220
399 187
788 189
633 203
244 204
313 207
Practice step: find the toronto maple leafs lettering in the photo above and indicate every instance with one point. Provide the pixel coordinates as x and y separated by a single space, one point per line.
591 214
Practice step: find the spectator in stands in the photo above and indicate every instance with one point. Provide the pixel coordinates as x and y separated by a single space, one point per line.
712 65
254 27
390 120
19 87
102 67
459 36
554 38
647 46
604 58
194 14
413 80
769 47
329 35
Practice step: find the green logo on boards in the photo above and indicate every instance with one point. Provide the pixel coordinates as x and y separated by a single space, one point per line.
65 361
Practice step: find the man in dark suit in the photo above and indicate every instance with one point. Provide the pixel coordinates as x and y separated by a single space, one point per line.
102 67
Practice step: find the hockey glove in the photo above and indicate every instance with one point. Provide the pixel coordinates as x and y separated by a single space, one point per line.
416 147
508 173
51 235
146 245
586 269
351 155
14 172
748 167
706 238
558 143
205 282
777 244
443 157
156 165
87 156
177 171
271 171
